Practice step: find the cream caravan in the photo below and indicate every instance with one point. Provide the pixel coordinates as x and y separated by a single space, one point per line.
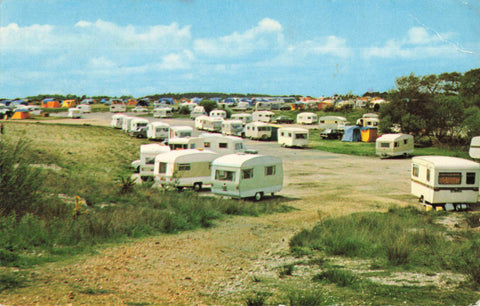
74 113
146 163
218 113
293 137
247 175
213 124
442 180
258 130
127 120
117 121
200 122
223 144
331 122
162 112
180 131
391 145
232 127
158 130
184 168
118 108
244 117
185 143
264 116
307 118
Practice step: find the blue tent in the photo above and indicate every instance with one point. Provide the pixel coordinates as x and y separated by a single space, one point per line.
352 133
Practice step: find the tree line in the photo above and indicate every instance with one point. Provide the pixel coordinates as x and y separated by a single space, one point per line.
444 108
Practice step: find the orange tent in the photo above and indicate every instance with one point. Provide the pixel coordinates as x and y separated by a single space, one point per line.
21 115
68 103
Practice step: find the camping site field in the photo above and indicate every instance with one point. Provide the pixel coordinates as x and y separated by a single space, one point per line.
344 230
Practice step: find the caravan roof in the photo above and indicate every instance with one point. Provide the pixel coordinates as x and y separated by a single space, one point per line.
170 157
242 159
447 162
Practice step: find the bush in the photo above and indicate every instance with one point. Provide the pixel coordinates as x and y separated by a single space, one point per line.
343 278
310 298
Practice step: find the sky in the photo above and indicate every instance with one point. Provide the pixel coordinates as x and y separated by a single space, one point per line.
274 47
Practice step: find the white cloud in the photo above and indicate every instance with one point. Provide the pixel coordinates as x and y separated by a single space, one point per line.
418 43
265 36
34 38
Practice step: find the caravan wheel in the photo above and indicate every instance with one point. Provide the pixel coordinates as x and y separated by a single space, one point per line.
197 186
258 196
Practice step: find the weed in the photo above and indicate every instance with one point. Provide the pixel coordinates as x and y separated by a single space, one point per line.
257 298
286 270
310 298
341 277
126 184
11 280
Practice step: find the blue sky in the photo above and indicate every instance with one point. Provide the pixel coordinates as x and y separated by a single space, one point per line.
276 47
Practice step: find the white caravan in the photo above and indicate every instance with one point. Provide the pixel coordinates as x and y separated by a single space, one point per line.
232 127
137 124
213 124
118 108
307 118
223 144
474 150
162 112
244 117
158 130
74 113
144 166
184 168
293 137
200 122
445 181
198 111
391 145
180 131
126 123
85 108
331 122
185 143
247 175
218 113
368 120
117 121
258 130
264 116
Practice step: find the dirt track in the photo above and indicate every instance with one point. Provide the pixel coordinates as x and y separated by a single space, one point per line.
206 266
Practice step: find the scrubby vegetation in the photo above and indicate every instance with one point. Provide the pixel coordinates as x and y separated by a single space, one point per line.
62 193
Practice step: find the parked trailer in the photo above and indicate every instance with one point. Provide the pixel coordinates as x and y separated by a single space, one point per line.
247 175
118 108
136 125
331 122
391 145
180 131
474 150
244 117
85 108
117 121
185 143
146 163
264 116
126 123
158 130
184 168
223 144
292 137
198 111
218 113
446 182
74 113
200 122
213 124
307 118
258 130
162 112
232 127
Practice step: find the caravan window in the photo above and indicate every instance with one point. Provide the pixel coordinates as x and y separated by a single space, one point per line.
224 175
270 170
184 167
162 168
151 161
405 141
206 144
239 146
192 146
449 178
385 145
428 175
247 173
470 178
415 170
223 145
396 144
300 136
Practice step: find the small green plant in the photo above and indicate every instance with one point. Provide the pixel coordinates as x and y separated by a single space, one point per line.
257 299
126 184
286 270
341 277
310 298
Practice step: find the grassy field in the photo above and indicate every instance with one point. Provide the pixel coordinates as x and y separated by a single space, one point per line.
339 261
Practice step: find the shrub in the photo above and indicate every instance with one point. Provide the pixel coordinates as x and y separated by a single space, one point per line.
310 298
343 278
